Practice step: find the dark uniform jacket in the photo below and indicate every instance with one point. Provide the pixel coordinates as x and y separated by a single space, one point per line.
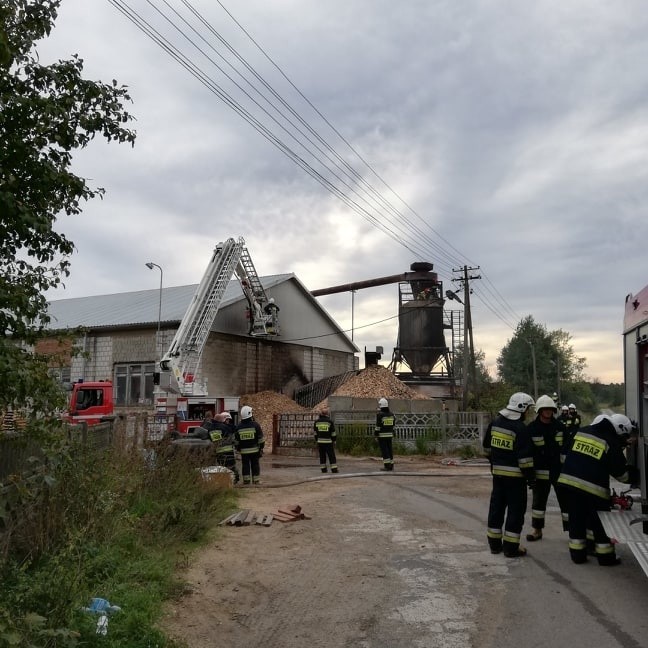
548 439
385 422
324 429
249 437
510 449
222 435
595 452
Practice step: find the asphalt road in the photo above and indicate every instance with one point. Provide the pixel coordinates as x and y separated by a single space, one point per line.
400 560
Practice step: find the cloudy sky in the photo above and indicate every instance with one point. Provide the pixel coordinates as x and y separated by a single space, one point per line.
495 134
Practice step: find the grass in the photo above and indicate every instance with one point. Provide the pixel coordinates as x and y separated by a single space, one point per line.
104 525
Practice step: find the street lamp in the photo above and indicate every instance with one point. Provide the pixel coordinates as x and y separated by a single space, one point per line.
150 265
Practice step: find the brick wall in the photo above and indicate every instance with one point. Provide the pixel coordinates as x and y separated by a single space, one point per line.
231 365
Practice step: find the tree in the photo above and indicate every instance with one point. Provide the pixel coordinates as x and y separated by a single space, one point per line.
535 356
46 113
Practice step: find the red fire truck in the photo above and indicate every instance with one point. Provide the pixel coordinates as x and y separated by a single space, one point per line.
182 400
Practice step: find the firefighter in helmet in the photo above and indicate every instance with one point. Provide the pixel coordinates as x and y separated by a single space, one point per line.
547 434
324 430
573 419
222 434
508 444
249 442
595 453
384 433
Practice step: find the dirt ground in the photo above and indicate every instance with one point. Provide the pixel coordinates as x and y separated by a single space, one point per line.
322 581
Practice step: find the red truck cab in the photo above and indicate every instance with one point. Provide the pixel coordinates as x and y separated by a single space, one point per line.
91 403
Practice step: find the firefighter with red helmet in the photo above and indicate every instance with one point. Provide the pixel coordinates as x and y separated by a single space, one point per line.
547 434
595 453
508 444
384 432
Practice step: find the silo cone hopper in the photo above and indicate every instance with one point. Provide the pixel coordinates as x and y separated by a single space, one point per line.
421 338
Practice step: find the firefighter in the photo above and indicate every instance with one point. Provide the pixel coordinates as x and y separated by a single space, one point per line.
573 419
595 453
325 438
384 432
564 415
222 433
508 444
547 434
249 442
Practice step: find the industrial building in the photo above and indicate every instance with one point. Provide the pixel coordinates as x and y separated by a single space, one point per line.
121 337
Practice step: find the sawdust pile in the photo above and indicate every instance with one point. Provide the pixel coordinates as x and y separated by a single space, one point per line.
267 403
377 381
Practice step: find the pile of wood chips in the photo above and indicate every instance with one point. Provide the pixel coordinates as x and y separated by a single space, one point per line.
267 403
375 381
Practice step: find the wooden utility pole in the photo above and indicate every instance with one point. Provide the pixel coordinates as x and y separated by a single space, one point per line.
469 349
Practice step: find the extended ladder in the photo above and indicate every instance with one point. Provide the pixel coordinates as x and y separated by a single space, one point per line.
183 356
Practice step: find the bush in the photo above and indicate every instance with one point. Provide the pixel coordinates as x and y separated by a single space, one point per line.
101 524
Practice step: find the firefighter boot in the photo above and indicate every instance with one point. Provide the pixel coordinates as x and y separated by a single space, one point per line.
536 534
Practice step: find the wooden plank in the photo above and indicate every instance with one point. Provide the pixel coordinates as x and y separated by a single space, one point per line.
228 519
238 520
249 518
264 518
297 516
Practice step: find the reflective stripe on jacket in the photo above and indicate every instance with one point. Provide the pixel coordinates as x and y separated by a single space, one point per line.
385 422
324 430
510 449
249 437
595 452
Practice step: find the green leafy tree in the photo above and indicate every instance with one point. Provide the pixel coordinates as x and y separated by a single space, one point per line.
479 380
46 113
535 355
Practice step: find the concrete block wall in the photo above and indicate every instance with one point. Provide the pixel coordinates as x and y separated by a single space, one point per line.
396 405
98 365
231 365
134 347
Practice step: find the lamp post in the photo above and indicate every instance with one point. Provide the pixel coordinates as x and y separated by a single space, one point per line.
150 265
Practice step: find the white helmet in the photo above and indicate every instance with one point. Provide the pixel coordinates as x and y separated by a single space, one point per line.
518 404
572 406
383 403
246 412
545 402
564 408
600 418
622 424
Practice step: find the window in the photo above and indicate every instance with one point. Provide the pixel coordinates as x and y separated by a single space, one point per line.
134 384
62 374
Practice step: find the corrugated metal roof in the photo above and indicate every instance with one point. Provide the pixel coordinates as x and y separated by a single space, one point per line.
138 308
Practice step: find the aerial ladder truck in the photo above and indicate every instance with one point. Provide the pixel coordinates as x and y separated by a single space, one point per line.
182 393
181 401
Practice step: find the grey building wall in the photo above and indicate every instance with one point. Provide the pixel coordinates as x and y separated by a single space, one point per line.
95 362
231 365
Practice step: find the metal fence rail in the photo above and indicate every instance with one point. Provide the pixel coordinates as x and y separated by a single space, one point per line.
443 430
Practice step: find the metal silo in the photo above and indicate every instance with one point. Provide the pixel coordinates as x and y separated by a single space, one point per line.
421 327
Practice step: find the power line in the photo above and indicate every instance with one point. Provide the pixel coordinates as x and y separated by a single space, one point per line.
360 195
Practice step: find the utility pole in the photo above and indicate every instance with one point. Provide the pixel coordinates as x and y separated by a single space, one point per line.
469 349
535 374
